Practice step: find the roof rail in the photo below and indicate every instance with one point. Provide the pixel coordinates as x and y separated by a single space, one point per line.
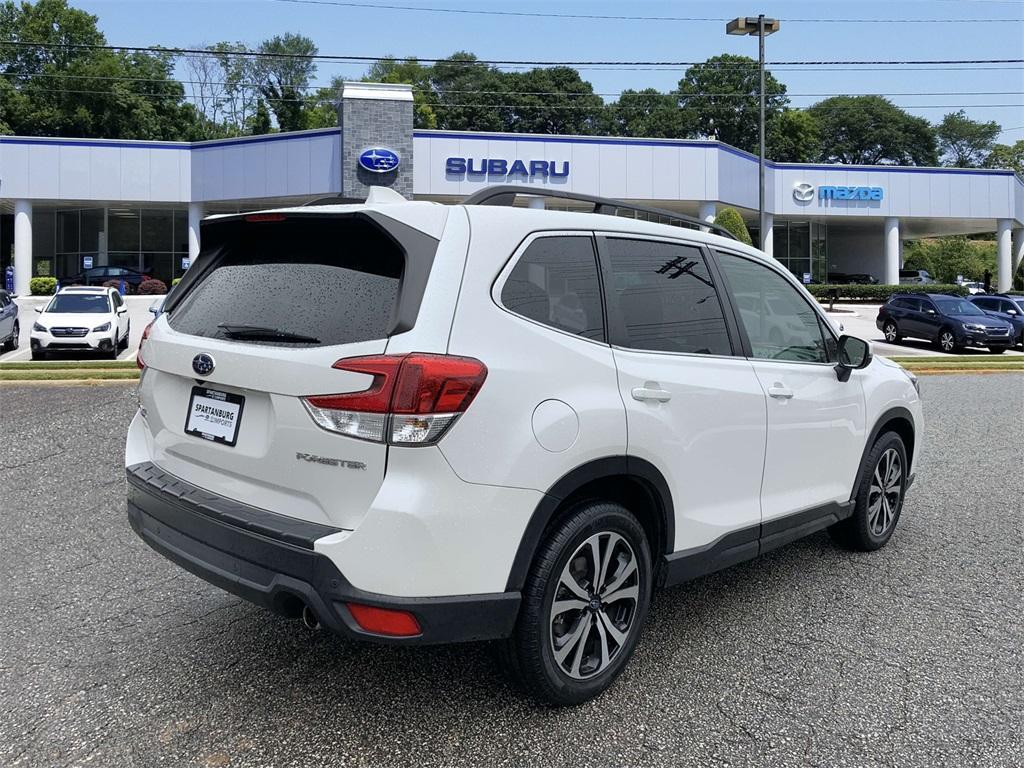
505 194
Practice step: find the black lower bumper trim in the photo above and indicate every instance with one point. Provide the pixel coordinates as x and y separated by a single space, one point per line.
284 576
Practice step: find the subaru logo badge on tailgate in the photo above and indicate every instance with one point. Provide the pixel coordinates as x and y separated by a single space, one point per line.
379 159
202 364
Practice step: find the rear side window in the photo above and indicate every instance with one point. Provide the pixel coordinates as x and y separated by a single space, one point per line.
333 279
555 283
666 297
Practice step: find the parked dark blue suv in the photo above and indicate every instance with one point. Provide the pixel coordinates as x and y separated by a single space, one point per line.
1009 309
950 322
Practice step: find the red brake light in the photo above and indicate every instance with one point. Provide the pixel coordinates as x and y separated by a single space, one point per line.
414 397
382 621
145 335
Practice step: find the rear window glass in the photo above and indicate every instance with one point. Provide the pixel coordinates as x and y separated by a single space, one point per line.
333 280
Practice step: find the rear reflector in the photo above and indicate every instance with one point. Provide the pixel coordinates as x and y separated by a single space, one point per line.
382 621
412 399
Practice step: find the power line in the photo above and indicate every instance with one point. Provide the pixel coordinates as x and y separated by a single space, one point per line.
246 53
601 17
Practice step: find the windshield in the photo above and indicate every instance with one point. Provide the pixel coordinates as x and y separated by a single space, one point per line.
957 307
79 304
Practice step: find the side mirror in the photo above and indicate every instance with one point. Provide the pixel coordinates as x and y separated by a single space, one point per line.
854 354
39 310
1012 312
122 309
930 311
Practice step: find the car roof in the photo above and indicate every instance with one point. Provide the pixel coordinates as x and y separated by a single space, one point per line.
85 289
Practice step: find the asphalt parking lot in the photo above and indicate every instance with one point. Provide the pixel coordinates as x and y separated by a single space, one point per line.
811 656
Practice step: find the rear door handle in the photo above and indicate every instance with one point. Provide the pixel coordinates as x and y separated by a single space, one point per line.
780 392
650 392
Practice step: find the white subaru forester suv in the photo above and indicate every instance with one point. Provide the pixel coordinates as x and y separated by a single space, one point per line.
412 423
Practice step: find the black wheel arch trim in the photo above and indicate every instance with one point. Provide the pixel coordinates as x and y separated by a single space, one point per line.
890 416
572 481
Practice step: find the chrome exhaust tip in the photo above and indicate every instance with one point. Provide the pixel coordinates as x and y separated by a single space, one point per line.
309 618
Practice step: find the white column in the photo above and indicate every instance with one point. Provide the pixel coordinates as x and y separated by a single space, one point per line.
707 212
196 211
22 246
1004 277
1016 250
892 251
769 235
537 203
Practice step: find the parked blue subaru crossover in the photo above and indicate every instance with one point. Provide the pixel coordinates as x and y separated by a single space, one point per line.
950 322
1007 308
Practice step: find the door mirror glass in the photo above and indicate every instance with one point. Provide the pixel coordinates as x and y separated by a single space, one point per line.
854 354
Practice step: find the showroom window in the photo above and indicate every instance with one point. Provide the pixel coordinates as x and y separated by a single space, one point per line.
666 297
555 283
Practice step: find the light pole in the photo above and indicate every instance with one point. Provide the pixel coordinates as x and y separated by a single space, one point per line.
762 27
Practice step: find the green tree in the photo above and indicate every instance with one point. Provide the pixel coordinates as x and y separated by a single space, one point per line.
284 73
965 143
872 130
259 122
794 136
732 221
552 100
649 113
410 71
1007 156
721 96
946 258
86 92
470 96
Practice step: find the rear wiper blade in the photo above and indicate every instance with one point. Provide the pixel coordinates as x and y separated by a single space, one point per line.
267 334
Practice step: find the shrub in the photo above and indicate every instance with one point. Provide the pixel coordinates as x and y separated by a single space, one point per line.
730 219
947 257
881 293
42 286
116 284
151 287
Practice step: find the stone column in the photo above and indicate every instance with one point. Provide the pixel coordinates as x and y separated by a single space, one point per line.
22 246
892 251
375 115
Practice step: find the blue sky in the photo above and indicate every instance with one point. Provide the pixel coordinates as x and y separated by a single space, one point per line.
365 31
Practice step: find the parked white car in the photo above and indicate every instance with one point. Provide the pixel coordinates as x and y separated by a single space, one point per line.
363 416
86 319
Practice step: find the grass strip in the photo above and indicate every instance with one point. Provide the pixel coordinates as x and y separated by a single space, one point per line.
955 358
68 375
59 365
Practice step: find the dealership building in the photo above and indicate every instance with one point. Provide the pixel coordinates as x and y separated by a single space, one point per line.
68 204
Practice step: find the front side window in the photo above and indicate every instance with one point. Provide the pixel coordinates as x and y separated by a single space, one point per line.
952 306
666 297
779 322
555 283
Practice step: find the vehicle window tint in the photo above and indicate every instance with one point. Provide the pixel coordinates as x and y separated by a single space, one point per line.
334 279
913 304
79 303
666 297
555 283
779 322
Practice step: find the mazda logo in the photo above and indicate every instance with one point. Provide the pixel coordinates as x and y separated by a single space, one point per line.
803 192
203 364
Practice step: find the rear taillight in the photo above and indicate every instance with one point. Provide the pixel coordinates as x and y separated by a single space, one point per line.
412 400
145 335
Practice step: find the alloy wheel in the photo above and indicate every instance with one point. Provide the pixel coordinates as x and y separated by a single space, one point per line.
594 605
890 332
14 339
885 492
946 341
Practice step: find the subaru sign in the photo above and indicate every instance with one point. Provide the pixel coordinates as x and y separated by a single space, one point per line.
379 159
468 166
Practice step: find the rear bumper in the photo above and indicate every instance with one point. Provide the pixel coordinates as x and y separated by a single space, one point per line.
268 559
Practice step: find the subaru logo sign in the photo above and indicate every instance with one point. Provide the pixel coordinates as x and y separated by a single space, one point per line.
803 192
203 364
379 159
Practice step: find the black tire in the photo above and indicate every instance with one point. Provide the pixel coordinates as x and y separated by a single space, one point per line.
862 530
946 341
891 332
12 343
997 350
529 655
38 354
